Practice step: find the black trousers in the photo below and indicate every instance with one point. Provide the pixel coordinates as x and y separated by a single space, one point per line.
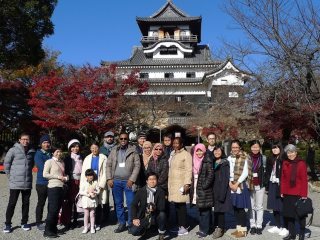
289 223
181 210
240 215
102 213
144 224
55 199
13 198
219 220
42 192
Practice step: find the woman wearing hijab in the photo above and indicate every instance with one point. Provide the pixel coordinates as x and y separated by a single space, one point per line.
293 186
201 192
144 161
159 164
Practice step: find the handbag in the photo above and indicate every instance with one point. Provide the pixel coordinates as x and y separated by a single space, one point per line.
78 201
303 208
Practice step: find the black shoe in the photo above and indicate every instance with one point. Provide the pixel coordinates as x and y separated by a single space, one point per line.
50 235
253 231
289 237
259 231
120 228
301 236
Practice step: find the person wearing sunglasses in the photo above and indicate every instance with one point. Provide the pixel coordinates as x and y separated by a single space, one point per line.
159 164
123 166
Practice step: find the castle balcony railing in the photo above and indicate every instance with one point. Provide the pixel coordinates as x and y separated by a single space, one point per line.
150 39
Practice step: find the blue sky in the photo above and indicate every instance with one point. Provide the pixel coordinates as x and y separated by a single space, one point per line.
91 31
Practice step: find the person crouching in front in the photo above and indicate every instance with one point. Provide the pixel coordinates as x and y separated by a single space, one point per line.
148 207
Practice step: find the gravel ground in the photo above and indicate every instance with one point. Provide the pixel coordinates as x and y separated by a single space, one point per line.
107 231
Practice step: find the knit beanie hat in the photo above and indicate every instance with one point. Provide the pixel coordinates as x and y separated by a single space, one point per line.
45 138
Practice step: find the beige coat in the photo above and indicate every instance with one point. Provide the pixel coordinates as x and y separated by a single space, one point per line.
102 176
180 173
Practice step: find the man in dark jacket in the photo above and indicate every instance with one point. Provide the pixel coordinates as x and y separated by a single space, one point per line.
42 155
108 143
148 207
18 166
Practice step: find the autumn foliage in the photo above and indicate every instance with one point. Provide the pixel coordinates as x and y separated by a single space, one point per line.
86 100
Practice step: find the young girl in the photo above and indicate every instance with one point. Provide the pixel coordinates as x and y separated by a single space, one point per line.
89 191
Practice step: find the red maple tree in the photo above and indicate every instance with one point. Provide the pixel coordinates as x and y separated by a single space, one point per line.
86 100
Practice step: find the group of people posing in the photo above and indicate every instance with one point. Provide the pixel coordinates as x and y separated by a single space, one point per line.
154 178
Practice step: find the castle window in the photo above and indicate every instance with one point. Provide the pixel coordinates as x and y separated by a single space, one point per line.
172 50
191 74
233 95
178 98
144 75
168 75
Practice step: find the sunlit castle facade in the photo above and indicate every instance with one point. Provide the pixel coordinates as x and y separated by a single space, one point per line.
174 62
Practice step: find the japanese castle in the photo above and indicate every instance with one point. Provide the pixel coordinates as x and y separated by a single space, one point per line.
174 63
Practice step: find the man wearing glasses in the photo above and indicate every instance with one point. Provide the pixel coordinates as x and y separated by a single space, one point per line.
123 166
108 143
18 166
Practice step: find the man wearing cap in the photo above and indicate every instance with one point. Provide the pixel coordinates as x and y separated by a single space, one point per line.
42 155
18 165
108 143
141 139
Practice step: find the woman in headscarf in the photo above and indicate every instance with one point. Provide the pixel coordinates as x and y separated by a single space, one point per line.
144 161
201 192
159 164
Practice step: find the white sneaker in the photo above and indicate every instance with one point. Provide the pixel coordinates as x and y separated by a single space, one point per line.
85 230
284 232
98 227
182 231
274 230
93 230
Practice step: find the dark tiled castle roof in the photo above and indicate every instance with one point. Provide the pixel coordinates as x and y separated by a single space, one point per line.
201 56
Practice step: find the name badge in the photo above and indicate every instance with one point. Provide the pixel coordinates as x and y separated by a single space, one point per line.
257 188
255 174
123 164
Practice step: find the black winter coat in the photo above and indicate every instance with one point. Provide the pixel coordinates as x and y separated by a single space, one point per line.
139 203
221 189
269 167
161 168
204 185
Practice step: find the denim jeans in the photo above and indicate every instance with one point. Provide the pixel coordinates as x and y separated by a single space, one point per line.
204 220
120 188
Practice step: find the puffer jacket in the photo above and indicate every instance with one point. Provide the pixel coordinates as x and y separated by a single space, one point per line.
204 191
18 167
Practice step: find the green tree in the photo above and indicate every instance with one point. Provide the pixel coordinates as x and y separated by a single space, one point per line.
23 25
